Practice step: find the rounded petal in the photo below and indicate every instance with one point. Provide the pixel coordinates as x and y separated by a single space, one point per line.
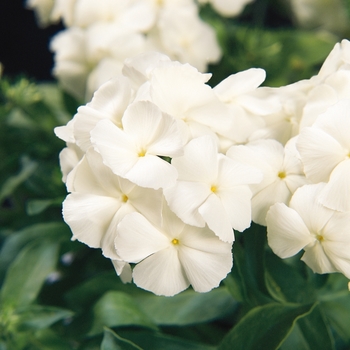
286 232
89 216
137 238
161 273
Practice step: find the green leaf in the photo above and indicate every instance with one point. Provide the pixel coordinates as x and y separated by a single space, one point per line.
188 307
112 341
266 326
285 283
311 333
337 313
55 231
28 272
28 168
247 279
157 341
40 316
37 206
116 309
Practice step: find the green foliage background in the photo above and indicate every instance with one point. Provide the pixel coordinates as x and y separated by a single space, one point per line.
59 294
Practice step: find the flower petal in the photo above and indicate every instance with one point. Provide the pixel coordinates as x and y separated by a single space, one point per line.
286 231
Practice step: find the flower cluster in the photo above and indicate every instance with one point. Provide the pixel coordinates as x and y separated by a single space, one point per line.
161 168
100 35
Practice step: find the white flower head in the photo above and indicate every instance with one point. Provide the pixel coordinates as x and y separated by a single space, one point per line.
212 189
134 151
325 153
98 201
282 169
306 224
171 256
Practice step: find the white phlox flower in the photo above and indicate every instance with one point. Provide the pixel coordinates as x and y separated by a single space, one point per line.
306 224
188 99
325 153
284 121
212 189
109 102
187 38
43 10
282 169
246 108
133 151
172 255
86 58
98 201
228 8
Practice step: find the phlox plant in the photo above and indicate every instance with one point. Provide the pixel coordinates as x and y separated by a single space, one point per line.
183 182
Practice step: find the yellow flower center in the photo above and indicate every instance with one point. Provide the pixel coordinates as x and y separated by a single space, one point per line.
142 153
320 238
125 198
282 174
175 241
213 188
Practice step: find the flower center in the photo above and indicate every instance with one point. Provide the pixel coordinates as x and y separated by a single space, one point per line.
320 238
125 198
175 241
142 153
282 174
213 188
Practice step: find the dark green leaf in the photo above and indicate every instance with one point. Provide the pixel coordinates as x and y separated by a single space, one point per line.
37 206
116 309
55 231
40 316
188 307
157 341
28 272
285 283
28 168
312 333
264 327
112 341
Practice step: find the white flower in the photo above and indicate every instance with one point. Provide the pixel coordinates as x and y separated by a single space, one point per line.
282 169
246 109
171 256
186 38
133 152
43 9
325 152
212 189
99 200
180 90
306 224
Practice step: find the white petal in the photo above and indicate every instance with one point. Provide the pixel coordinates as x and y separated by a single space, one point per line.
116 148
89 216
313 213
240 83
205 270
199 162
286 231
237 204
123 270
217 219
161 273
152 172
277 192
319 152
336 194
316 258
184 199
137 238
